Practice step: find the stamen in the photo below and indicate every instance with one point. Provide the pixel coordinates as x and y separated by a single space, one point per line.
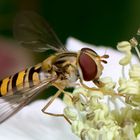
134 43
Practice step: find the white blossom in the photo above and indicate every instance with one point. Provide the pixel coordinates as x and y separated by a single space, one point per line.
134 72
95 119
129 86
125 47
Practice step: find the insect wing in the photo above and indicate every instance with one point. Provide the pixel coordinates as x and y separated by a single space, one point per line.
11 104
33 32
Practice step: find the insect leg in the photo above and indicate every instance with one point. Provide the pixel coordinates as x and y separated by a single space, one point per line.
89 88
98 83
50 102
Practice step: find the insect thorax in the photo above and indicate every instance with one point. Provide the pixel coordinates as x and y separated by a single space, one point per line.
62 66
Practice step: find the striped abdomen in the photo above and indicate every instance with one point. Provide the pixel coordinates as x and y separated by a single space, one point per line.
23 79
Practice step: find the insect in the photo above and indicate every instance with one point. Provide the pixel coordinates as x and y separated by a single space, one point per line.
61 69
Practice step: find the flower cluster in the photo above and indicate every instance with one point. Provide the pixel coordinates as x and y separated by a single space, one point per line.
91 118
130 86
113 111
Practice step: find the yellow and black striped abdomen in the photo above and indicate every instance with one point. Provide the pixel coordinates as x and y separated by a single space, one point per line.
23 79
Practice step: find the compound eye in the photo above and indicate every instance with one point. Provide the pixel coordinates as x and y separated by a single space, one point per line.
88 66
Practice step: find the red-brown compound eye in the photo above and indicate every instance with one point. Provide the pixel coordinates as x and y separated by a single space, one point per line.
88 66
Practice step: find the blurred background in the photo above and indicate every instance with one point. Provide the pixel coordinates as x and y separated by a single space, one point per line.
97 22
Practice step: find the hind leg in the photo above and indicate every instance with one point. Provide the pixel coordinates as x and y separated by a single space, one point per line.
58 93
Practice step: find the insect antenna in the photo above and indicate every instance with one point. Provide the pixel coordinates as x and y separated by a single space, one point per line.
105 56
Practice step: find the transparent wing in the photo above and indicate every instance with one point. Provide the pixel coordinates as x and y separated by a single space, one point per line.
9 105
33 32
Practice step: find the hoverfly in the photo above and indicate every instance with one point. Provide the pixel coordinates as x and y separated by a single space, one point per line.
62 69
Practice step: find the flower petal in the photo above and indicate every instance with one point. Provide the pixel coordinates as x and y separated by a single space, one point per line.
31 124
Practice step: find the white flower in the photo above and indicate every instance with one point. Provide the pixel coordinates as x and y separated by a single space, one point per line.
134 72
95 121
100 121
129 86
31 124
94 118
71 113
109 84
125 47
